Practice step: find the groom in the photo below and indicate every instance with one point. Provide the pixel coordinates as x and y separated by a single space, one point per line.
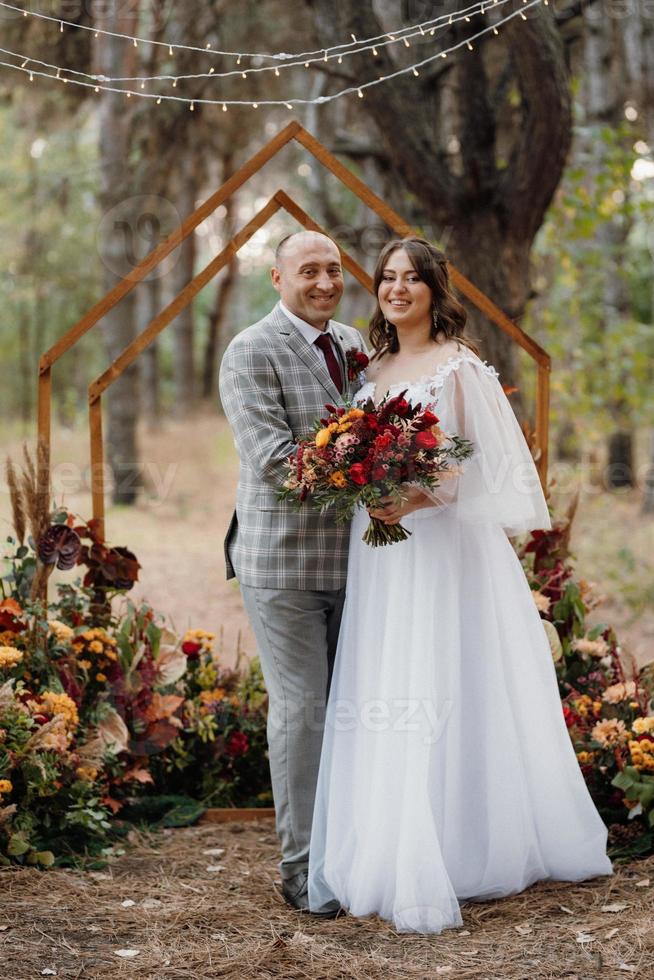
275 379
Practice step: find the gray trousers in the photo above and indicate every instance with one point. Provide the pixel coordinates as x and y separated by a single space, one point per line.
296 632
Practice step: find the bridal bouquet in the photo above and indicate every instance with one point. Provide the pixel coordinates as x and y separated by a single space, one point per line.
359 455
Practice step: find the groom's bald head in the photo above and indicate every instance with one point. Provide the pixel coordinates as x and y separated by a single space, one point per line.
301 242
308 276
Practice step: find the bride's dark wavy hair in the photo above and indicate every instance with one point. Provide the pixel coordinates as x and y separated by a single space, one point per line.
431 267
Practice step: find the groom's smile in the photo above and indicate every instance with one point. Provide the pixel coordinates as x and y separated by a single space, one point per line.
308 276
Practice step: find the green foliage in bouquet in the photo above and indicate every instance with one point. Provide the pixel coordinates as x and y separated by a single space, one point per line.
610 717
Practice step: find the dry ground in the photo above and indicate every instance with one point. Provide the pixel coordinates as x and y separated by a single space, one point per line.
176 530
181 920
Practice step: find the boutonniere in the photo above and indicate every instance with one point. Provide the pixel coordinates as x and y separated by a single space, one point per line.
356 362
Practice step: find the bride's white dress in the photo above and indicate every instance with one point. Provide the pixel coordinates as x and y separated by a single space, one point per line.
447 772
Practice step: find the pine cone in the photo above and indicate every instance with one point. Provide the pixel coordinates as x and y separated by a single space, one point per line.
60 544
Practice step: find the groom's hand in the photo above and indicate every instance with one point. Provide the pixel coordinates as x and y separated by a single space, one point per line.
391 511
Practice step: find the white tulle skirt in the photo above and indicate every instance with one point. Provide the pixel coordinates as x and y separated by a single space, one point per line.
447 772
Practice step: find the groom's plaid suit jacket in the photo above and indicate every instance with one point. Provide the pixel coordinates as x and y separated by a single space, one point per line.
273 385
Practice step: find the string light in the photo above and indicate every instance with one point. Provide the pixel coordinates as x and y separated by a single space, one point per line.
278 56
359 89
390 38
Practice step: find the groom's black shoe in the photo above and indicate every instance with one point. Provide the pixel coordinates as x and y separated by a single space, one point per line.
295 892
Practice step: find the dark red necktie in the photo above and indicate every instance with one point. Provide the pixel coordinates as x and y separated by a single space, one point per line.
324 343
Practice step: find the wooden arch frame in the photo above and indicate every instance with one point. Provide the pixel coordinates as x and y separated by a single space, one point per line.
293 131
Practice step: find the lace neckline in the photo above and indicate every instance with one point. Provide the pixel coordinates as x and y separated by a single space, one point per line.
437 380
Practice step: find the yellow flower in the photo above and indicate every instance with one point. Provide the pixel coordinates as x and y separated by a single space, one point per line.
585 757
55 703
597 707
208 697
542 601
10 656
338 479
322 438
354 413
619 692
610 732
640 726
85 664
95 646
101 677
596 648
6 786
62 632
87 773
344 426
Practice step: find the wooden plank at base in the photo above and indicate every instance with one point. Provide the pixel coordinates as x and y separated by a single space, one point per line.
236 814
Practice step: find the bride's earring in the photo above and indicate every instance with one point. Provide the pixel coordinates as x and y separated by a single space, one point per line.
434 317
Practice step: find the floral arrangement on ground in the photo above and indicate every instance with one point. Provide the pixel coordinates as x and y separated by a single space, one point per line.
107 716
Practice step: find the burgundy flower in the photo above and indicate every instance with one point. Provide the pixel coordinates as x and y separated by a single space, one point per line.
237 744
60 545
191 649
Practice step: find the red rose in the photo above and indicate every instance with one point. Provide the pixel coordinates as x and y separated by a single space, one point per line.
401 407
191 649
358 474
426 440
361 359
237 744
427 419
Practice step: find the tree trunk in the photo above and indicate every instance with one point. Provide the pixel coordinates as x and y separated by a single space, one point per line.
117 251
148 303
605 95
648 491
493 166
183 324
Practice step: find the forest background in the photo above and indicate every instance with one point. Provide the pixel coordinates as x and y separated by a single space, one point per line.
529 160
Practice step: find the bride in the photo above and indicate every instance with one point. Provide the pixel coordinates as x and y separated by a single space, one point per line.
447 772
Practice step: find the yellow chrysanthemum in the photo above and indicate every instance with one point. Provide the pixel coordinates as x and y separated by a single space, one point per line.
6 786
62 632
10 656
100 677
585 757
610 732
640 726
338 479
95 646
87 773
55 703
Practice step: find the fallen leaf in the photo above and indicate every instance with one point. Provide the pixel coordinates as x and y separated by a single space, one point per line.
214 851
127 904
643 883
127 953
523 930
615 907
215 867
584 937
564 908
3 928
48 972
611 933
464 932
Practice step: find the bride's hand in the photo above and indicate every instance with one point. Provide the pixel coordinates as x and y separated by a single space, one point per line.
391 511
